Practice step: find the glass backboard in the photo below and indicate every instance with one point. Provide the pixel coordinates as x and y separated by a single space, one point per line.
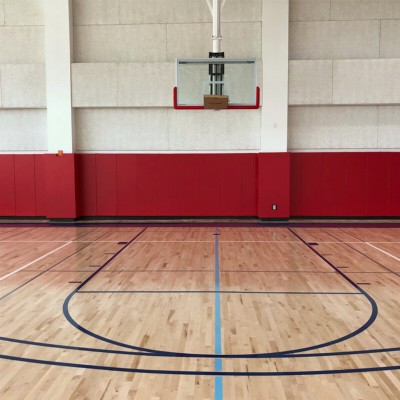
236 78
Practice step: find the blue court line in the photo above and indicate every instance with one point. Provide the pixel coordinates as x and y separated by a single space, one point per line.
202 291
218 384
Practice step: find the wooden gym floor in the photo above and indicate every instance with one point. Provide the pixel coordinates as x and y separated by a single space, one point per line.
200 312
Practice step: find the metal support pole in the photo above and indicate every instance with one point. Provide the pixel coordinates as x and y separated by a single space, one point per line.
216 70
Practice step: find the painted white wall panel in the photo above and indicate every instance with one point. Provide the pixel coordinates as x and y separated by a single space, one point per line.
310 82
94 85
146 85
1 12
334 40
161 11
124 129
364 9
23 85
309 10
390 39
366 81
389 127
239 40
23 12
214 130
120 43
184 11
96 12
23 130
333 127
22 45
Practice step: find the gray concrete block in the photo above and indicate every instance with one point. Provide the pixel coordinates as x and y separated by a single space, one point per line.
334 40
146 84
240 40
23 85
310 82
22 45
309 10
366 81
1 12
120 43
124 129
364 9
94 85
390 39
161 11
96 12
23 130
23 12
329 128
242 11
389 127
214 130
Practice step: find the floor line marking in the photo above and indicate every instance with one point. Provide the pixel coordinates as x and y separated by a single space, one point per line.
206 291
383 251
218 383
33 262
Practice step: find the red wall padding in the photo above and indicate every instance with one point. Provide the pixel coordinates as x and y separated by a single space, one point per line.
345 184
168 184
321 184
273 172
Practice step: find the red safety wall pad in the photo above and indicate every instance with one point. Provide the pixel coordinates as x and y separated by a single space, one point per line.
7 185
168 185
106 184
274 185
25 185
345 184
40 185
127 187
394 185
87 185
61 188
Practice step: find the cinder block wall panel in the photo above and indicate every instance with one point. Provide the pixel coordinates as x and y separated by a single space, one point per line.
22 45
330 128
364 9
23 85
1 12
389 127
23 130
120 43
309 10
310 82
96 12
210 130
334 40
366 82
390 34
121 129
94 85
23 12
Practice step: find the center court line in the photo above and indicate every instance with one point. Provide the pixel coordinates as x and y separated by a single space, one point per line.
32 262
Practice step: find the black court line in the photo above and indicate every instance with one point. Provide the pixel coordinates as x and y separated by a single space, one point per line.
279 271
201 291
363 254
146 354
154 270
202 373
366 325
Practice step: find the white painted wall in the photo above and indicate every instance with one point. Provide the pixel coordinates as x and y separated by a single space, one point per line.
22 76
344 85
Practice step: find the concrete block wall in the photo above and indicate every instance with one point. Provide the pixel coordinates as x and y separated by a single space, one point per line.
124 73
344 86
22 76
